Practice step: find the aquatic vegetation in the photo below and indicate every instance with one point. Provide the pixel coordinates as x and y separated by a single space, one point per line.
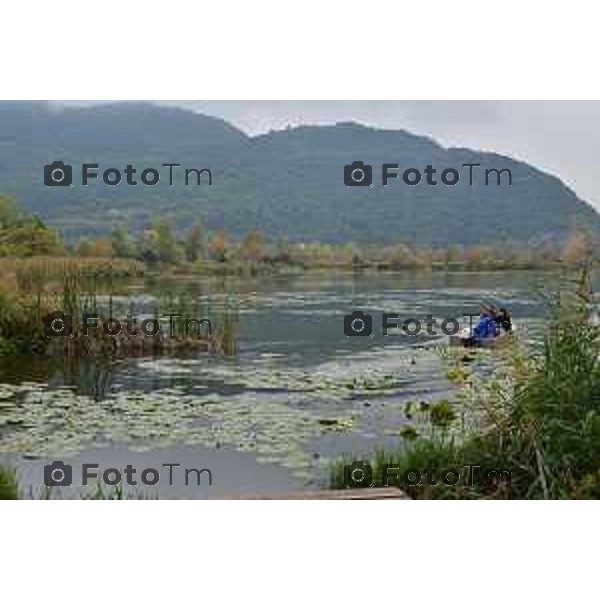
442 414
457 374
409 433
9 484
333 381
225 336
59 423
20 323
329 424
10 490
37 274
115 492
26 304
537 417
276 414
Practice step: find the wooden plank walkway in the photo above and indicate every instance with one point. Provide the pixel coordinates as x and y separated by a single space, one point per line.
386 493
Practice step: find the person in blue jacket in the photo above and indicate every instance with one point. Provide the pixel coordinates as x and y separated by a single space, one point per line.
488 323
487 326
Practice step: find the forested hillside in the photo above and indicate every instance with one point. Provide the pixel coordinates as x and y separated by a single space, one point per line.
287 184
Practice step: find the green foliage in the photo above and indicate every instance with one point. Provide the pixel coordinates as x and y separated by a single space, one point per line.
285 183
252 246
100 492
161 244
542 423
122 243
9 212
30 289
9 490
22 235
164 241
194 244
409 433
21 324
9 484
442 414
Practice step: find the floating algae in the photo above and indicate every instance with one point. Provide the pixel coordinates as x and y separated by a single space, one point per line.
64 423
274 414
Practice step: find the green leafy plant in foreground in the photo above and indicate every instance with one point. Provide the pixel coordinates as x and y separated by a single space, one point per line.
9 485
10 490
542 422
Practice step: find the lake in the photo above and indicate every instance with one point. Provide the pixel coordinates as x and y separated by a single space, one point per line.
297 394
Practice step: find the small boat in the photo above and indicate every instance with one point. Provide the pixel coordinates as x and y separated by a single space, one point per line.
465 339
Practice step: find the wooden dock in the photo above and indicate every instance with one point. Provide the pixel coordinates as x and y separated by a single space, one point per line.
386 493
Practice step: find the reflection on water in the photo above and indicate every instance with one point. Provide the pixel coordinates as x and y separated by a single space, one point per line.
297 393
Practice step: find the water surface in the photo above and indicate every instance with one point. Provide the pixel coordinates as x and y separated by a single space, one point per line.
298 393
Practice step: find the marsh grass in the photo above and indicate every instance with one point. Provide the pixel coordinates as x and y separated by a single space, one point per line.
225 334
34 274
540 419
20 323
9 484
189 309
221 336
115 492
33 288
10 490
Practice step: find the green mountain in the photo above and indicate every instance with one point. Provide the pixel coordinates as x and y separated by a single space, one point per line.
289 184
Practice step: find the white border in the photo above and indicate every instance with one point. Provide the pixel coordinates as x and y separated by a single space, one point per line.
299 549
299 50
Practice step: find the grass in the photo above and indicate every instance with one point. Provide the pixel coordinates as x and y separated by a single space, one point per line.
540 420
32 288
115 492
9 484
9 490
36 274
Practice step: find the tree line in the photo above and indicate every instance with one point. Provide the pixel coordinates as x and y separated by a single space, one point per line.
23 235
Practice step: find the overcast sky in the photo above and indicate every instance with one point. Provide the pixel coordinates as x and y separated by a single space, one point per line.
562 138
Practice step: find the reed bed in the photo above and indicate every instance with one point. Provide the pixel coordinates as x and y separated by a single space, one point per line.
31 289
540 420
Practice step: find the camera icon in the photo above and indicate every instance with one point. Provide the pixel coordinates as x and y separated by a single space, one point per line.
358 174
358 324
57 174
57 324
57 474
358 475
